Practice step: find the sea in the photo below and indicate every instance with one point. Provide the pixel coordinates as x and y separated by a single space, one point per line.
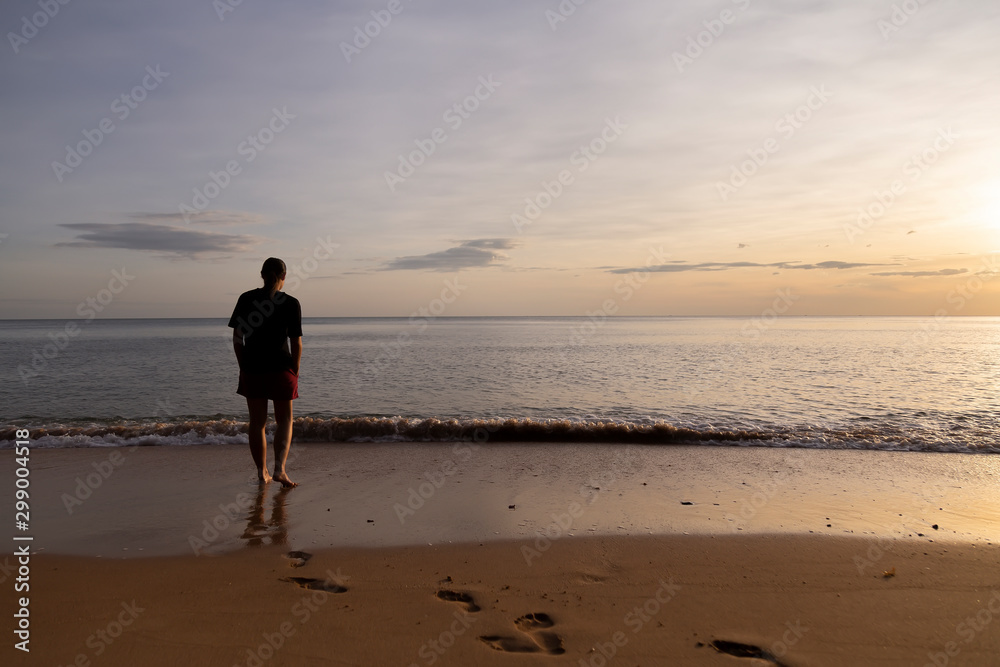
889 383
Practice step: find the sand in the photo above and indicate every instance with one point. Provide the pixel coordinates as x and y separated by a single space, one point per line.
802 557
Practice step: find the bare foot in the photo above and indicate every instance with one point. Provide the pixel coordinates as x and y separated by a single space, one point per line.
283 478
263 477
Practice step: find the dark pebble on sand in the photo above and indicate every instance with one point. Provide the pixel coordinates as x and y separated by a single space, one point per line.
686 502
510 507
371 520
935 526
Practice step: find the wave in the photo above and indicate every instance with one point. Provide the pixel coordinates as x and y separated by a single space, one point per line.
375 429
484 430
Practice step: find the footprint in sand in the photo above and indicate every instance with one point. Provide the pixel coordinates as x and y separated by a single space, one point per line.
461 598
744 651
535 626
316 584
297 558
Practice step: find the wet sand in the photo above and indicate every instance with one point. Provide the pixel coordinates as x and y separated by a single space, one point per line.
572 554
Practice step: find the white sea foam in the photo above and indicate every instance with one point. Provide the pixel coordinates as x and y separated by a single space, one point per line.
496 430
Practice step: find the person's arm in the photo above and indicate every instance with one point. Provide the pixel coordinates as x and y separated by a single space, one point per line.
237 327
238 347
296 349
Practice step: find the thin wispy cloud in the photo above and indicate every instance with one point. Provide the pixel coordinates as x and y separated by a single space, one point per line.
509 114
211 217
477 253
148 237
679 267
923 274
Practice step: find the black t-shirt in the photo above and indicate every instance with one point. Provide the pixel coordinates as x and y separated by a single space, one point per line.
266 323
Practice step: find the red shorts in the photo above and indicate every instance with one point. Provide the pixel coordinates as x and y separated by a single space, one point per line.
277 386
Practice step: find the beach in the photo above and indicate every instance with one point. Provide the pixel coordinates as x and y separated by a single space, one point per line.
455 554
584 334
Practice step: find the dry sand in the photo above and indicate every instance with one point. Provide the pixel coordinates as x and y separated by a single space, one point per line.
626 601
616 581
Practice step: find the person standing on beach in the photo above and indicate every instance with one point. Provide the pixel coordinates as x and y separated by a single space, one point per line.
267 338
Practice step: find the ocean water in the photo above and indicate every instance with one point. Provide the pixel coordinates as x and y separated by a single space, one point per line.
870 383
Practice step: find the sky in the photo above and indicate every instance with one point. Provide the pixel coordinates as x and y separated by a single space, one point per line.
581 158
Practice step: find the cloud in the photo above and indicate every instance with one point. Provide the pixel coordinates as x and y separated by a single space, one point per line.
498 244
178 241
830 265
677 266
203 217
922 274
476 253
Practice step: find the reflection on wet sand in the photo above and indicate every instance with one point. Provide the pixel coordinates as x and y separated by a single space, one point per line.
274 531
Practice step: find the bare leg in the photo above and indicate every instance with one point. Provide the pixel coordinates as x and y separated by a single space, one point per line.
258 443
282 440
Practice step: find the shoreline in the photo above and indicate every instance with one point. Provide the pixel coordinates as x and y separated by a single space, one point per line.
230 429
